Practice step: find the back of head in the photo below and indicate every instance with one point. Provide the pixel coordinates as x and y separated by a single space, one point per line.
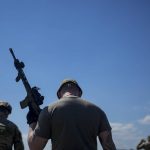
66 83
6 105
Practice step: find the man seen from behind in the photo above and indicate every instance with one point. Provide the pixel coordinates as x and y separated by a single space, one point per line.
71 123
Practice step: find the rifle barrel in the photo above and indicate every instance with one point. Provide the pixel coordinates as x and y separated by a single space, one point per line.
12 53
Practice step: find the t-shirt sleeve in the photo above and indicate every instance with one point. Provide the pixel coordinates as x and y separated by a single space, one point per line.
43 127
103 123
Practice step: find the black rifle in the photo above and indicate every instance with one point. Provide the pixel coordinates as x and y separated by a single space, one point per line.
33 98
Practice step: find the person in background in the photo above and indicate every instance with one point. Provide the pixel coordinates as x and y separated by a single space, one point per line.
144 144
71 123
10 136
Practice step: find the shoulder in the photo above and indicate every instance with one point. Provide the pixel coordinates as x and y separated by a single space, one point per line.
147 144
10 124
47 110
95 109
92 105
72 101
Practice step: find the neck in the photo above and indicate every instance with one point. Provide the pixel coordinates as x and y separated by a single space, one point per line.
67 94
3 116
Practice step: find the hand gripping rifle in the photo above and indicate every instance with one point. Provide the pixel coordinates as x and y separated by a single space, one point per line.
33 98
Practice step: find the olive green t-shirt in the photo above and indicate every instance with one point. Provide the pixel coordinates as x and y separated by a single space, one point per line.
72 124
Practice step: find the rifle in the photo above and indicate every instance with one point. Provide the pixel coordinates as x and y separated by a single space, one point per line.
33 98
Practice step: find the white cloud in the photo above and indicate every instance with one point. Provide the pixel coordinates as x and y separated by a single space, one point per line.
145 120
125 135
119 127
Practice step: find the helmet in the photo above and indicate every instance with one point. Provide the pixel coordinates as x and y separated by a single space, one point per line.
6 105
68 81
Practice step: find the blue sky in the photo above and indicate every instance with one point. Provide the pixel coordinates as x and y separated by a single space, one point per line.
104 45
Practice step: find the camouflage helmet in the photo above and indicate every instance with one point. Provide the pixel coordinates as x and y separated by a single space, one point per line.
6 105
65 81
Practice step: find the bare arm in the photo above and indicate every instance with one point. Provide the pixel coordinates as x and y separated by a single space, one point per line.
106 140
35 142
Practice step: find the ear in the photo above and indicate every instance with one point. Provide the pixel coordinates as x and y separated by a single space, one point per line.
61 93
7 113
